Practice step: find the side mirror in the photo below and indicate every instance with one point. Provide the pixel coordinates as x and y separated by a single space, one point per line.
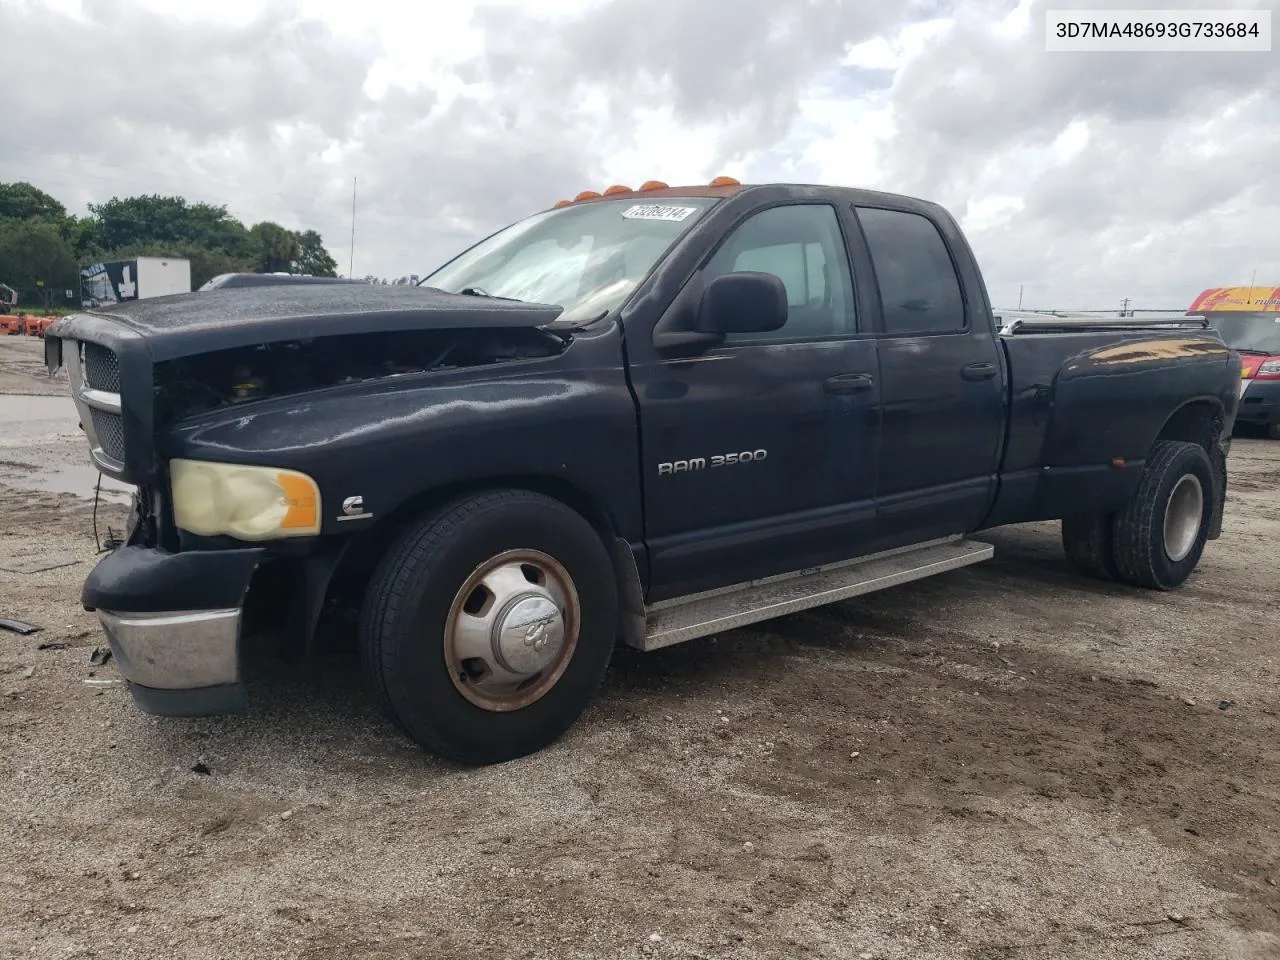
743 302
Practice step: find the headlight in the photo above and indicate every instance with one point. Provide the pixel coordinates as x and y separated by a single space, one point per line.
249 503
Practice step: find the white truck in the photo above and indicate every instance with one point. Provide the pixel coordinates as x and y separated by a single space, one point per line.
138 278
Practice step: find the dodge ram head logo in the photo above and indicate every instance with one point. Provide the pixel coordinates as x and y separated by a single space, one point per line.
719 460
535 634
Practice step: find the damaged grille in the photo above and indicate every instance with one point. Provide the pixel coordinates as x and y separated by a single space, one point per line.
94 371
101 368
109 429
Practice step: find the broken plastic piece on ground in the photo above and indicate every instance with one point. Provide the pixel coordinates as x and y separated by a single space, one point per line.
100 656
19 626
201 769
53 645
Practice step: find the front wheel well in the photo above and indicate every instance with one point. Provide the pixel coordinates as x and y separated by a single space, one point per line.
360 557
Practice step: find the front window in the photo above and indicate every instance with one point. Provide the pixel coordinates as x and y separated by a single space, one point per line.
1248 332
586 258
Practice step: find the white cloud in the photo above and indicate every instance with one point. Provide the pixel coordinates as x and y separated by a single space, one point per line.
1083 178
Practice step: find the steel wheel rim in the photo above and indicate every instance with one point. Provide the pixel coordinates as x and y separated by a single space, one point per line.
1183 515
512 630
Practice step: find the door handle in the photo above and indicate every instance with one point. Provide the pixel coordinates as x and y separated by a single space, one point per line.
849 383
978 371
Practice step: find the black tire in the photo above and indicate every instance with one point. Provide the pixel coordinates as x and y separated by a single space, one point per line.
1141 554
1087 542
410 598
1273 431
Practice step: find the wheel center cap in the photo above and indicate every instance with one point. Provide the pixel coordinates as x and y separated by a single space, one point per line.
528 635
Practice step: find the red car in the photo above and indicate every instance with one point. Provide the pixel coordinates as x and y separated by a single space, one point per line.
1248 320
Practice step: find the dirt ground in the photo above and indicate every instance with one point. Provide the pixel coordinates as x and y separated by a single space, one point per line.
1002 762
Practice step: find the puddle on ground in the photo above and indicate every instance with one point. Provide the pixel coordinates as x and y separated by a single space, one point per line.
79 479
27 422
26 419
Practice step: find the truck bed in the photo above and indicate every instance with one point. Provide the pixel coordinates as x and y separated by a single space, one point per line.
1074 435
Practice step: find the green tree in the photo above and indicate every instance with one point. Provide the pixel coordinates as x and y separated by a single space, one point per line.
275 248
151 225
35 257
131 221
313 258
22 201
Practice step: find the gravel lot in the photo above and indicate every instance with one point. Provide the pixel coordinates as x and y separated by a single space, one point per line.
1001 762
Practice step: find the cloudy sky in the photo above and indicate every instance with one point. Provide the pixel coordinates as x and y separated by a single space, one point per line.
1083 178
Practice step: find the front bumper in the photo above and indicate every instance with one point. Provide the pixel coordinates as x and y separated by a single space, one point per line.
1259 403
173 623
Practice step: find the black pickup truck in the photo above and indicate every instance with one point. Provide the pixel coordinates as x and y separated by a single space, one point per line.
647 415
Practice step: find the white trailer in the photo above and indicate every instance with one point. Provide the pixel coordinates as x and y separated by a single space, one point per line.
137 278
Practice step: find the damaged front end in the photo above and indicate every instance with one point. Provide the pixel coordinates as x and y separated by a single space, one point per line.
177 606
191 385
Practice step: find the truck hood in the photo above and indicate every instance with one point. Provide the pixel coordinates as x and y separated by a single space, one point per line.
190 324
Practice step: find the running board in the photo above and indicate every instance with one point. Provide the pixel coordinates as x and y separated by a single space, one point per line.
702 614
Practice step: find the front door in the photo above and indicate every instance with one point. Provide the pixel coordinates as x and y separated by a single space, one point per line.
759 457
941 382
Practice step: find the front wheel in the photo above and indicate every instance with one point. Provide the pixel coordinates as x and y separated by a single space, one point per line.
1160 534
489 626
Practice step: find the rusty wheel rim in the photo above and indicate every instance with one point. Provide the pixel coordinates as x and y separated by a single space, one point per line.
512 630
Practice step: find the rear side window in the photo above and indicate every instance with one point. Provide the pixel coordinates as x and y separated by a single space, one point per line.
919 289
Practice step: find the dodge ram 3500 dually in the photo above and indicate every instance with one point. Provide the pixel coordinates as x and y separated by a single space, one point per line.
651 414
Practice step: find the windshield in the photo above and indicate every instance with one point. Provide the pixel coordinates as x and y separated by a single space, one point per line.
586 258
1248 332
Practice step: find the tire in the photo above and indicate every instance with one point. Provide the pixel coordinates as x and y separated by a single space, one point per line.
1273 431
1152 547
1087 542
547 568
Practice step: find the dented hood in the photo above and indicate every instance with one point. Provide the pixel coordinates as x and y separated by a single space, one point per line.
194 323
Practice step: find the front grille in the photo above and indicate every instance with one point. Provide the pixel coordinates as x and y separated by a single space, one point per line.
101 368
109 429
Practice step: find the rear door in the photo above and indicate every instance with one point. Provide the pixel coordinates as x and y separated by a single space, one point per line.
941 381
760 455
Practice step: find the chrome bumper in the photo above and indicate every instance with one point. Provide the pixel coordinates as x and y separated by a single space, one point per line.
180 650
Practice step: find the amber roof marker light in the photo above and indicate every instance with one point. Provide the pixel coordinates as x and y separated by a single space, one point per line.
648 185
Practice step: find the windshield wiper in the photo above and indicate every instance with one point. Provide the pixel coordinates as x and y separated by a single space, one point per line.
477 292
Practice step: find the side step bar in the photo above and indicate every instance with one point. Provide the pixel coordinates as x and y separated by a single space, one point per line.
702 614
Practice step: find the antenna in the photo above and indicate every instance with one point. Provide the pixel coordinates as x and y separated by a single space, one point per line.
1252 277
351 269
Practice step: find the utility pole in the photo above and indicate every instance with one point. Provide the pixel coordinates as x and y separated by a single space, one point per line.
351 261
1019 296
1124 307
